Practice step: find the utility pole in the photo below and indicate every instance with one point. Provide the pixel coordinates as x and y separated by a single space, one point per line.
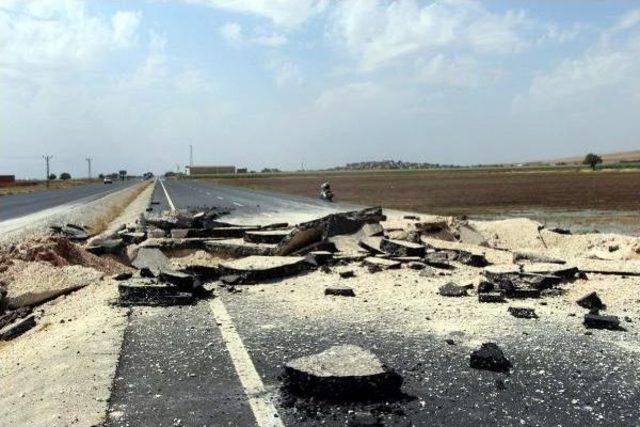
88 159
190 156
46 158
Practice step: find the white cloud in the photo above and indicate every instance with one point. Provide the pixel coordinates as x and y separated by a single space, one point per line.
125 26
271 40
379 33
285 72
462 71
232 32
603 65
286 13
48 34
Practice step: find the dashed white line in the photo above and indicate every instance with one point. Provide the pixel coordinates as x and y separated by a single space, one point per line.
263 409
219 198
171 205
238 204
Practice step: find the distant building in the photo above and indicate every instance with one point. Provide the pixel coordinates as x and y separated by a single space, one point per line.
210 170
7 179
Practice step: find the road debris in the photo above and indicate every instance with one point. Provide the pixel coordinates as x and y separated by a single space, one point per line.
339 290
490 357
344 372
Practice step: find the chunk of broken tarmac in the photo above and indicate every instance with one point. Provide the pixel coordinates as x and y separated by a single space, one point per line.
318 258
472 259
17 328
151 258
438 260
257 268
549 269
183 281
591 301
149 292
238 248
452 290
490 357
523 312
99 246
401 248
381 263
491 297
536 258
344 372
339 290
598 321
371 244
269 236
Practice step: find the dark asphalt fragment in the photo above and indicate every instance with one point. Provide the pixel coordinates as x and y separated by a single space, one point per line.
452 290
339 290
598 321
523 312
591 301
490 357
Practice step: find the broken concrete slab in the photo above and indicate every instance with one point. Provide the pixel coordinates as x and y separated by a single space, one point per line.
591 301
310 232
318 258
523 312
239 248
472 259
371 230
17 328
485 286
491 297
452 290
152 258
73 232
371 244
597 321
346 274
344 372
469 235
150 292
339 290
259 268
490 357
382 263
134 237
438 260
549 269
99 246
416 265
402 248
536 257
183 281
268 236
30 299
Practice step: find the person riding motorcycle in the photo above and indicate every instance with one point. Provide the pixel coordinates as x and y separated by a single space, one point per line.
325 192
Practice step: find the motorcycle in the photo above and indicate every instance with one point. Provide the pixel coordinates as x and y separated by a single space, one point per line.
326 195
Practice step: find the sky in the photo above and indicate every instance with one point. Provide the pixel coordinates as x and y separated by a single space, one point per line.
313 83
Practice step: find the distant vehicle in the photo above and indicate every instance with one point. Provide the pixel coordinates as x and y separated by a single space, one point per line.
107 181
326 193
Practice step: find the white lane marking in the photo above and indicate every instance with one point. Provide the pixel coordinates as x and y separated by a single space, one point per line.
171 205
238 204
263 409
219 198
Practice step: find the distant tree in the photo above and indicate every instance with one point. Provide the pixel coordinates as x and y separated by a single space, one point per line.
52 176
123 174
65 176
101 176
592 160
169 174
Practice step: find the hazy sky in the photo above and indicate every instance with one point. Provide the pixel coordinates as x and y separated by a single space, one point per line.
275 83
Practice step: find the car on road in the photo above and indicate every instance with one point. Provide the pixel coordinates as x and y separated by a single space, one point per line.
107 181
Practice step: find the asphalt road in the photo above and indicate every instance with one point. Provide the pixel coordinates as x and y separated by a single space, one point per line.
243 204
177 367
18 205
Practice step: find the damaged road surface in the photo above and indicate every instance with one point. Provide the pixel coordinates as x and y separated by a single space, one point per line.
249 309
